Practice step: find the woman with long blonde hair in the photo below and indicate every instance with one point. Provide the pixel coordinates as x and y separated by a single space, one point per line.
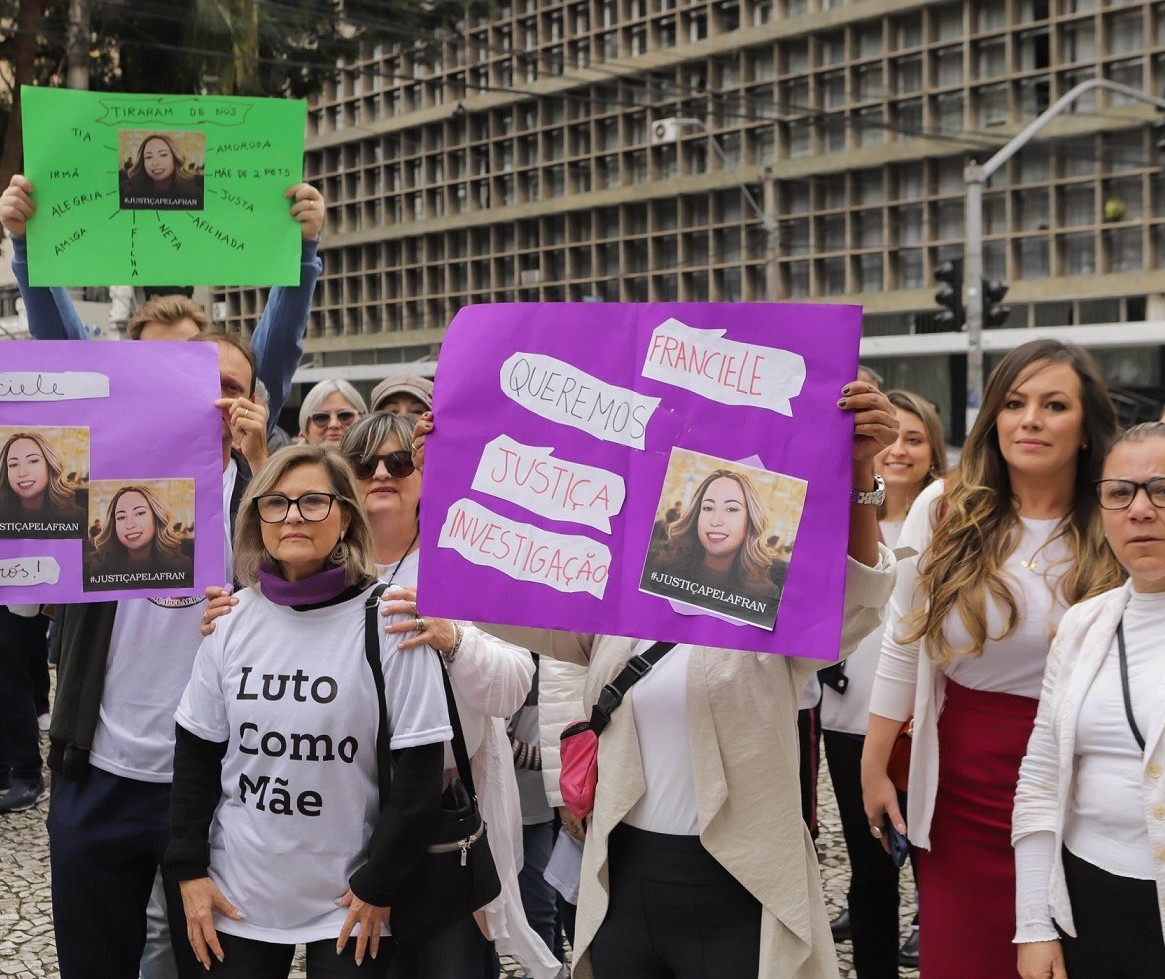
33 484
1004 547
137 528
719 540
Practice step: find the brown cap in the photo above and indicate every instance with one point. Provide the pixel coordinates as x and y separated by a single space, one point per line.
419 387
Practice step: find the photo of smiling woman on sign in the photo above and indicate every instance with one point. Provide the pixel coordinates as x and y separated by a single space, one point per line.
161 171
41 472
727 553
140 543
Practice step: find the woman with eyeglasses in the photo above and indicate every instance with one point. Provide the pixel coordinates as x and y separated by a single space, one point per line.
278 837
490 679
329 409
1089 825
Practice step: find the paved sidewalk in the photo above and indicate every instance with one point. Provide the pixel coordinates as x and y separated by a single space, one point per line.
26 936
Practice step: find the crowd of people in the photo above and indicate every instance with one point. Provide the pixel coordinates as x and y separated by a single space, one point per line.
258 768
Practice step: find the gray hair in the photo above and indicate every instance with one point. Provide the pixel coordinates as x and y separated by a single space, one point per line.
357 550
318 394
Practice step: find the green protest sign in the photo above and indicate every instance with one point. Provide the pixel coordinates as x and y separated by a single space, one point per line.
161 189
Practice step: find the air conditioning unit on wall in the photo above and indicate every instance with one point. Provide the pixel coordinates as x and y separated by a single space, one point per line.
665 131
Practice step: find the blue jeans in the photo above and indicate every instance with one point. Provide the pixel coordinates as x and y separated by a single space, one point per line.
539 899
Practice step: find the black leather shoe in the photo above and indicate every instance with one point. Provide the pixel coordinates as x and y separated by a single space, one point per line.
908 954
840 925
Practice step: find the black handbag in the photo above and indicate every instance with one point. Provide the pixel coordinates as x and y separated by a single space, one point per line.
457 875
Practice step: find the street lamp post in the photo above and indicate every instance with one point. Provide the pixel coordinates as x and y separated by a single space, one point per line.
669 132
976 176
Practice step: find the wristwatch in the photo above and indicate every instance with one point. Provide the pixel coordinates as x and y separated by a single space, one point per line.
874 497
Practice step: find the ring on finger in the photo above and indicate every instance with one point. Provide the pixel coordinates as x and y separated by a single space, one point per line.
419 624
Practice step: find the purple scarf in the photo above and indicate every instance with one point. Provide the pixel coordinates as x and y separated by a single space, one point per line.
313 590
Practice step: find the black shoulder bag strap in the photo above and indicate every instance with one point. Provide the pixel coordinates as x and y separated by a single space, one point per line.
372 654
613 693
1124 663
383 735
460 754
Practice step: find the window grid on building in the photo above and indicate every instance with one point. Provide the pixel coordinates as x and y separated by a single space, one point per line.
517 163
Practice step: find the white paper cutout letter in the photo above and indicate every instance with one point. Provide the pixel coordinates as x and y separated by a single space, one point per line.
29 571
556 488
46 386
727 371
567 395
564 562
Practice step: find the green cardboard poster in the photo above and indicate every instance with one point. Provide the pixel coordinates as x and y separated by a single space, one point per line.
161 189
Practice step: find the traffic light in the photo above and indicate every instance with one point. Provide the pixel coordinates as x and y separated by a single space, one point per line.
950 295
994 314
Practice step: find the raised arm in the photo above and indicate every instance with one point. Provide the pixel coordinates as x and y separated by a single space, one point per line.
50 311
278 339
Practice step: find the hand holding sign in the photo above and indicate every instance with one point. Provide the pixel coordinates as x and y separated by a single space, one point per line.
16 206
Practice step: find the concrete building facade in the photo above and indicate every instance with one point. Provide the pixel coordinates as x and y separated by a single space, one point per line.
531 157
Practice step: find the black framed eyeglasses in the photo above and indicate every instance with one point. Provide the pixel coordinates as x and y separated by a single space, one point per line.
1118 494
397 464
324 418
313 507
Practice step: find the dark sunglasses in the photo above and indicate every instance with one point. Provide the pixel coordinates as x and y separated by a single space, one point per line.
397 464
324 418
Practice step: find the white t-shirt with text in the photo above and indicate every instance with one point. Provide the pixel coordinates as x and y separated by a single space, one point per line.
292 694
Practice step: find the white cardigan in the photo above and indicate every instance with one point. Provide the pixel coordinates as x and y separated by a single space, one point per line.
1044 794
908 681
493 677
560 702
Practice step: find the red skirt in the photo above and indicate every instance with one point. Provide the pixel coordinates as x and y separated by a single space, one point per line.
966 881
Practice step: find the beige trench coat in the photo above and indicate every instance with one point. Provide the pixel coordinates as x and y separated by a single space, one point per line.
742 709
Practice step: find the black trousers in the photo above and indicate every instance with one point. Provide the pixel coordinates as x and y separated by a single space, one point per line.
675 913
873 888
809 738
23 651
1118 924
107 837
247 958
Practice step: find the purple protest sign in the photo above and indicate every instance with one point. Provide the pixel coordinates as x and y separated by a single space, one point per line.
110 471
665 471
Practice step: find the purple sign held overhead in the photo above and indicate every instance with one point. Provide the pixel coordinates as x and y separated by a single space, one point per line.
110 471
644 470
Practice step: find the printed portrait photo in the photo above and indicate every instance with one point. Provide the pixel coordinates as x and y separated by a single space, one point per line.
43 494
141 534
723 537
161 171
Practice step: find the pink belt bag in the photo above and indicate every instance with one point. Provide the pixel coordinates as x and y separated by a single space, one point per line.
579 742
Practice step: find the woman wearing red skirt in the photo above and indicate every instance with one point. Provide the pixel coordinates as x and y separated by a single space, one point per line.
1004 547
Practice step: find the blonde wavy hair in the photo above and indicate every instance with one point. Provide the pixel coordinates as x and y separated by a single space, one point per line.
355 553
977 528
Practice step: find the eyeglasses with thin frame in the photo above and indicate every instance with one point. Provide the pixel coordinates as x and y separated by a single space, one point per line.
398 464
313 507
1118 494
324 418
